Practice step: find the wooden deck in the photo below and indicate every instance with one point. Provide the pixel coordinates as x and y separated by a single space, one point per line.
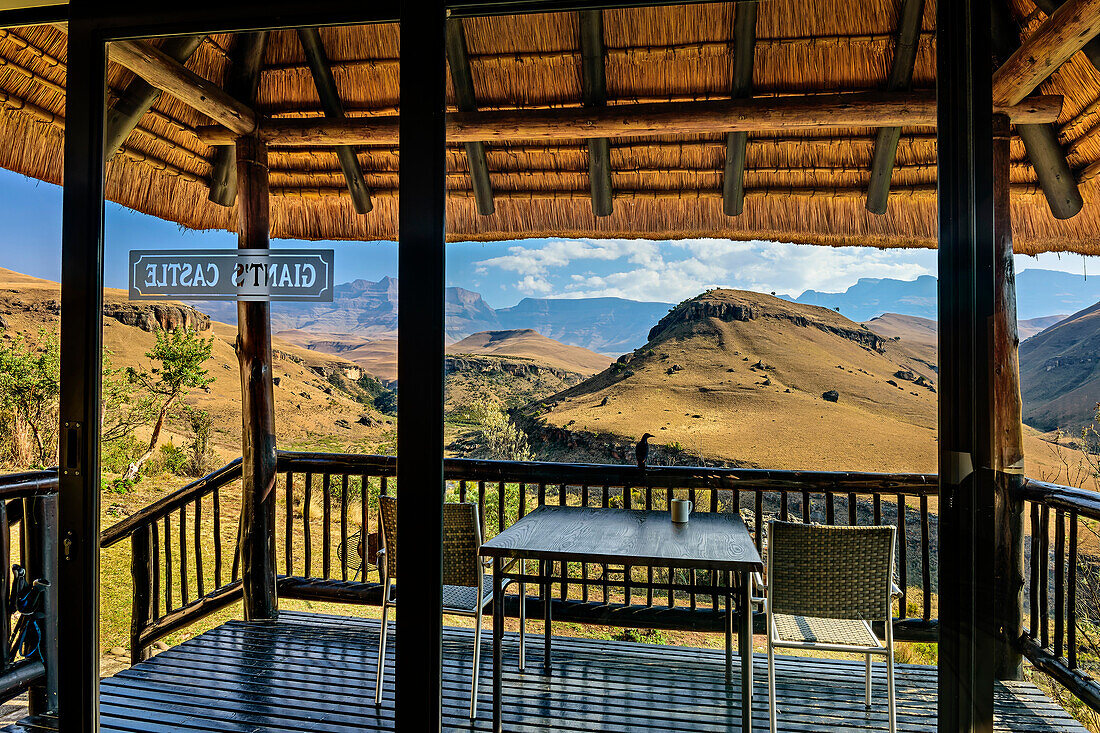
315 674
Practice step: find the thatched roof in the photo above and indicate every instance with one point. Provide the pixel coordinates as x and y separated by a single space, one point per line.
803 186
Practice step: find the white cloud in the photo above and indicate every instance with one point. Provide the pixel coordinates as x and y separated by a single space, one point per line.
557 254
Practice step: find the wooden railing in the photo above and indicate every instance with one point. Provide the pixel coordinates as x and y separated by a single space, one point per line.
28 537
1062 635
324 502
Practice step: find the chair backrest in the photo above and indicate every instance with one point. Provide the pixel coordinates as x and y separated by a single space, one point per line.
830 572
461 541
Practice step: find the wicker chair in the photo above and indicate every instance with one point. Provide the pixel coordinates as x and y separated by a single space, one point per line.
467 589
825 586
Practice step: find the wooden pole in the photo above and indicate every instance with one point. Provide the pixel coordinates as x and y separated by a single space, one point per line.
139 96
463 81
1008 464
812 111
594 94
744 51
1063 34
901 76
241 81
1090 49
334 109
258 468
165 73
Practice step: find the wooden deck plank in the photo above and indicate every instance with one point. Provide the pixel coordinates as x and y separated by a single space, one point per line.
312 673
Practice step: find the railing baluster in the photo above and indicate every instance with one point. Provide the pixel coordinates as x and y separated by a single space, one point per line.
877 499
903 561
500 507
481 506
184 597
462 491
217 512
852 509
154 541
200 584
758 521
5 582
1059 581
168 606
1071 604
288 538
384 486
806 513
627 495
344 483
307 534
542 494
584 565
326 525
563 499
830 508
141 612
925 557
364 527
522 511
1033 589
606 502
784 509
1044 605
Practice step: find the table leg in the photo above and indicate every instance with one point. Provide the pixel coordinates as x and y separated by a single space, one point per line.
498 638
746 653
544 571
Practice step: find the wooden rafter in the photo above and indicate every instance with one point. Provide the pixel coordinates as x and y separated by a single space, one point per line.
139 96
334 110
1040 140
1063 34
594 94
815 111
165 73
459 62
744 48
901 77
241 81
1090 49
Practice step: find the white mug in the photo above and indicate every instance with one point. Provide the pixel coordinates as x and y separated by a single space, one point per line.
681 510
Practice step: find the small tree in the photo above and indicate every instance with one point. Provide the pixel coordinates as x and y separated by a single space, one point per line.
30 379
180 355
200 458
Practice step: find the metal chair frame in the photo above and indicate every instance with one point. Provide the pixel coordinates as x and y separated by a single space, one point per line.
883 648
478 612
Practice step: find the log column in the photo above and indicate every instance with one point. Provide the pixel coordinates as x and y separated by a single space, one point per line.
1008 449
257 395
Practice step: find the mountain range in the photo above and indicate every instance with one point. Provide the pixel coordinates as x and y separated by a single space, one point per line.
368 310
1039 293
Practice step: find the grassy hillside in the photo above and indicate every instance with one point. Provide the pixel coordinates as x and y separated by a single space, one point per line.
1060 373
528 344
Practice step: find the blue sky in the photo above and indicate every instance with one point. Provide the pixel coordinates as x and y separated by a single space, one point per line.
503 272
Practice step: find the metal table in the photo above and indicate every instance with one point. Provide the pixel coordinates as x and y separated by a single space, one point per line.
710 541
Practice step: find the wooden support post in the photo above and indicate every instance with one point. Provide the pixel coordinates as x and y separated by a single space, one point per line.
901 76
1040 141
420 349
241 81
744 49
141 572
257 395
334 110
594 94
463 81
1008 465
139 96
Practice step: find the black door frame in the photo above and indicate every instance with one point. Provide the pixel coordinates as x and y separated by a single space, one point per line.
965 196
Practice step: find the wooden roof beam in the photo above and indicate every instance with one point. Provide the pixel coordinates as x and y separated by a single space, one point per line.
1063 34
901 77
1090 49
242 81
1041 140
459 62
744 49
139 96
758 114
334 110
594 94
169 75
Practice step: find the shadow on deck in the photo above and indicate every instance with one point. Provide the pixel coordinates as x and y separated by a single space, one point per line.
313 673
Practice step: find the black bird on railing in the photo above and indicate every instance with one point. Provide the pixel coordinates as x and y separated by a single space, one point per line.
641 451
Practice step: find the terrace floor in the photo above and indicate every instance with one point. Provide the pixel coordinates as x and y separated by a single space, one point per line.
313 673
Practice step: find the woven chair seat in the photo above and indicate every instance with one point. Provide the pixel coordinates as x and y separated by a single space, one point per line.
823 630
464 598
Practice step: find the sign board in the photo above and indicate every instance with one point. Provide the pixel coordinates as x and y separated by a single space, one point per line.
232 274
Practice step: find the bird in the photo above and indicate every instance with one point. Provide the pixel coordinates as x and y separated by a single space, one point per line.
641 451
